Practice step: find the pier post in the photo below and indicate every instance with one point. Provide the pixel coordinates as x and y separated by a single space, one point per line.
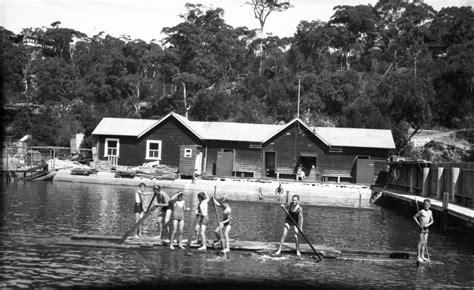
438 182
426 171
412 179
444 213
454 182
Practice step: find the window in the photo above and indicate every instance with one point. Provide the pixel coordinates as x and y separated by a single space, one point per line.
153 149
188 152
111 147
336 149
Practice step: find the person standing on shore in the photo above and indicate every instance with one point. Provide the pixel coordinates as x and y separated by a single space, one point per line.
296 212
179 208
424 219
163 201
279 193
203 219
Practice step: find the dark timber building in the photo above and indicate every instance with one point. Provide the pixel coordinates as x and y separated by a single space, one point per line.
245 150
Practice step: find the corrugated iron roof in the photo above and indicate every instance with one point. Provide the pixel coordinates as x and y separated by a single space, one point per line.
230 131
356 137
123 126
248 132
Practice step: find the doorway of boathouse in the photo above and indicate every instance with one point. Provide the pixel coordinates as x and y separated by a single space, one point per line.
270 162
308 162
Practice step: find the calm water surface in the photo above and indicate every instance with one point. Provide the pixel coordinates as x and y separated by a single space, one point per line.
37 215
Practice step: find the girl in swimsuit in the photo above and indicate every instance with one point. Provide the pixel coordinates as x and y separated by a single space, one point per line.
203 219
224 224
296 212
179 207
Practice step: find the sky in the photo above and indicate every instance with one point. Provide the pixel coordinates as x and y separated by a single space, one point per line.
145 19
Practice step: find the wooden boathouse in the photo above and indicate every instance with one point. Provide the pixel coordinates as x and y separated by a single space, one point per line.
244 149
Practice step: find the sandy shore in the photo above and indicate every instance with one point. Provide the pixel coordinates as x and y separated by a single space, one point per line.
325 194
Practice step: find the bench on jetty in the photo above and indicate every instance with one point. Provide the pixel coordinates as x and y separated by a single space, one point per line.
336 175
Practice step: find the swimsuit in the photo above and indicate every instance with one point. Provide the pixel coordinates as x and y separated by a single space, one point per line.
228 218
294 214
137 208
178 210
202 212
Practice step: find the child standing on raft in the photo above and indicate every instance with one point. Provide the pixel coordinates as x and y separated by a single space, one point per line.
203 219
296 212
178 206
424 219
224 224
138 207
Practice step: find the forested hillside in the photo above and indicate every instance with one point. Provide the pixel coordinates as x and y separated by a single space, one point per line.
394 66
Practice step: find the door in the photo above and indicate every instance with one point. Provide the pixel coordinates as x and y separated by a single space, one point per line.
270 163
225 163
198 164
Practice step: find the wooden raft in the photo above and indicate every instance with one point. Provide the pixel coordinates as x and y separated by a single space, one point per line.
146 242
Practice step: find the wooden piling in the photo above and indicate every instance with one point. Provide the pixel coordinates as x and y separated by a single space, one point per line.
426 184
439 183
444 212
454 182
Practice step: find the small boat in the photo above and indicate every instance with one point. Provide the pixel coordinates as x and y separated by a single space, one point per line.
47 177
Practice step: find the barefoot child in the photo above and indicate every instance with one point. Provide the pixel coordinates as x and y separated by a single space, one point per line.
203 219
424 219
296 212
179 207
224 224
163 200
138 207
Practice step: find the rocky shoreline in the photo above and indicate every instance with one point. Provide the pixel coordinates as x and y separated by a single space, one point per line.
323 194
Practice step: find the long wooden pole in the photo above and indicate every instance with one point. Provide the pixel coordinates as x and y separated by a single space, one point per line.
140 221
188 243
301 232
219 223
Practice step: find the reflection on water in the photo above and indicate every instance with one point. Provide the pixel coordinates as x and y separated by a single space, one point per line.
36 215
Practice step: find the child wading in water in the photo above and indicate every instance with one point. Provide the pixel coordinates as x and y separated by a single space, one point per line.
179 207
424 219
224 224
203 219
296 212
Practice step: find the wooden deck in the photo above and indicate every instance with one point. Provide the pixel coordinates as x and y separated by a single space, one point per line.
457 211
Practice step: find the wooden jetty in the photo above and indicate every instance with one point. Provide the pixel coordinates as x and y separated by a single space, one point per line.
262 248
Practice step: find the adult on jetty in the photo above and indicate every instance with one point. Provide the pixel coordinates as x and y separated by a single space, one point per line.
163 200
203 219
424 219
279 193
296 212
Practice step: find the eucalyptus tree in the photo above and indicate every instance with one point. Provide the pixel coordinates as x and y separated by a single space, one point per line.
207 52
261 10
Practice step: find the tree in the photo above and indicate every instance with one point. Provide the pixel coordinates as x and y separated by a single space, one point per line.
261 10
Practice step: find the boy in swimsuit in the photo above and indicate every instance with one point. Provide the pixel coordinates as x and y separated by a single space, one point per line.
179 207
224 224
296 212
163 201
203 219
424 219
138 207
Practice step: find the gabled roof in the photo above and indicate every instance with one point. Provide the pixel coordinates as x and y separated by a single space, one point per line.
284 127
355 137
123 127
247 132
230 131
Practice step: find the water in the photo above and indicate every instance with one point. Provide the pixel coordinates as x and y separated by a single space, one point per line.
37 215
